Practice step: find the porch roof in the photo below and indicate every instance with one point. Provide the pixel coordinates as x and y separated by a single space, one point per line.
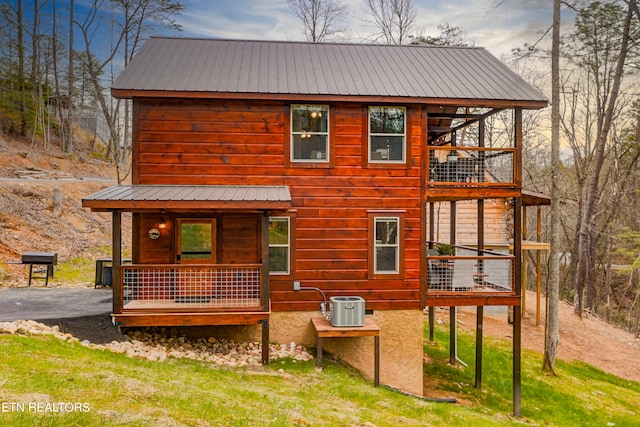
188 197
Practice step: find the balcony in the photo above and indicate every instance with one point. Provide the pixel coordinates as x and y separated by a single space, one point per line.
470 273
471 166
202 288
191 295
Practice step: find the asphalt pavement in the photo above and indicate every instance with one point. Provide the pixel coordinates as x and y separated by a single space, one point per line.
40 303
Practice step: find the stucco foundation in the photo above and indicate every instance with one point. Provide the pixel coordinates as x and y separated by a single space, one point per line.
401 351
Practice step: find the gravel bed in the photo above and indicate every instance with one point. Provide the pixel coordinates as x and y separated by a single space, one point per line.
160 344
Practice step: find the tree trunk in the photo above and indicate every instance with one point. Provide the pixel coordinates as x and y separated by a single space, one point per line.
553 289
21 88
68 146
586 261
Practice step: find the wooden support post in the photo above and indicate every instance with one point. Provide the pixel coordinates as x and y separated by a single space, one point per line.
452 335
524 262
517 310
432 321
517 363
432 218
265 341
452 310
116 256
264 287
479 324
538 265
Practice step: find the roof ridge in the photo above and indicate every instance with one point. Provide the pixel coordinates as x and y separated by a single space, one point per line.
303 42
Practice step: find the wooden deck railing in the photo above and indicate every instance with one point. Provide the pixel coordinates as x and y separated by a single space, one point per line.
471 166
193 288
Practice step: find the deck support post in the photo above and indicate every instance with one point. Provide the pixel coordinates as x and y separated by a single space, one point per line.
265 340
116 254
452 335
432 321
453 342
479 323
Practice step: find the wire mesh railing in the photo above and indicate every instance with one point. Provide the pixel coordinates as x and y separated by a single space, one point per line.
471 165
471 270
178 287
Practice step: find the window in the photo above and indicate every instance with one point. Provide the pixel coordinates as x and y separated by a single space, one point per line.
310 133
386 246
386 243
387 134
196 241
279 245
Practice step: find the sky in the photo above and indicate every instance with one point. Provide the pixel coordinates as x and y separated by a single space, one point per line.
498 25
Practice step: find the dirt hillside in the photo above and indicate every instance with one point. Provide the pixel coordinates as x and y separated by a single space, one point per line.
30 221
587 339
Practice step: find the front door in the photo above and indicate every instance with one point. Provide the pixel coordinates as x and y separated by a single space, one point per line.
196 241
196 244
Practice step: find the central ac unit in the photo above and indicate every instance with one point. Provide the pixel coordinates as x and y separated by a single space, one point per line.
347 311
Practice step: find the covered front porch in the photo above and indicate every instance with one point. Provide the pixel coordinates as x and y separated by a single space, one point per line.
200 254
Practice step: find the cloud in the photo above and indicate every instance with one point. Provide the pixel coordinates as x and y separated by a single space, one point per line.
498 25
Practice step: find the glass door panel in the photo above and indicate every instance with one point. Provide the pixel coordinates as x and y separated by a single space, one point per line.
196 241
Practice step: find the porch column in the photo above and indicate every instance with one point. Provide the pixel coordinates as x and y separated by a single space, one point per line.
453 342
116 258
480 243
517 249
264 287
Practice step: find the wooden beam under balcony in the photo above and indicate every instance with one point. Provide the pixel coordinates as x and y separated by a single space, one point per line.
443 192
452 299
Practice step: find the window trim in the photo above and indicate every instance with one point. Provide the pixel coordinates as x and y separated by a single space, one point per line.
373 217
288 246
317 163
405 135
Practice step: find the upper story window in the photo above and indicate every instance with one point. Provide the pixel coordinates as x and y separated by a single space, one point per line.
310 133
387 134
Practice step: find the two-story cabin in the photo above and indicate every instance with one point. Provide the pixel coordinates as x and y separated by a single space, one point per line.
260 166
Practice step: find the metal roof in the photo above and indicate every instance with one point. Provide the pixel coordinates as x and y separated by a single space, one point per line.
188 197
176 66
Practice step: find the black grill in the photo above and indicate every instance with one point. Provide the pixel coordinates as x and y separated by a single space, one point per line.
49 259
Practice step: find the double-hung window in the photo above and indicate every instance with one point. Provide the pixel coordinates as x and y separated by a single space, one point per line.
386 244
387 134
310 133
279 245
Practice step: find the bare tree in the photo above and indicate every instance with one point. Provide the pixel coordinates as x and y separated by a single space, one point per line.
395 19
320 18
135 19
607 78
552 324
68 144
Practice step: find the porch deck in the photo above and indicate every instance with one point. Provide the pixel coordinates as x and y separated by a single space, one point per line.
183 293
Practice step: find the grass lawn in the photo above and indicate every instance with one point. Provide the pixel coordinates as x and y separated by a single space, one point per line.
100 388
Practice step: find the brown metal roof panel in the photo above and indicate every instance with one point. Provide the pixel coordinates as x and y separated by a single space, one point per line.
136 197
199 65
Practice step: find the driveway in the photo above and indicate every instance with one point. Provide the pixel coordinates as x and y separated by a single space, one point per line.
83 312
35 303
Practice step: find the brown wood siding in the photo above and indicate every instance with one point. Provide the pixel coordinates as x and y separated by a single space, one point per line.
159 251
241 242
244 143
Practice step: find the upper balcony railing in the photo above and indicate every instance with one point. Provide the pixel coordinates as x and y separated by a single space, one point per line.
471 166
194 288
